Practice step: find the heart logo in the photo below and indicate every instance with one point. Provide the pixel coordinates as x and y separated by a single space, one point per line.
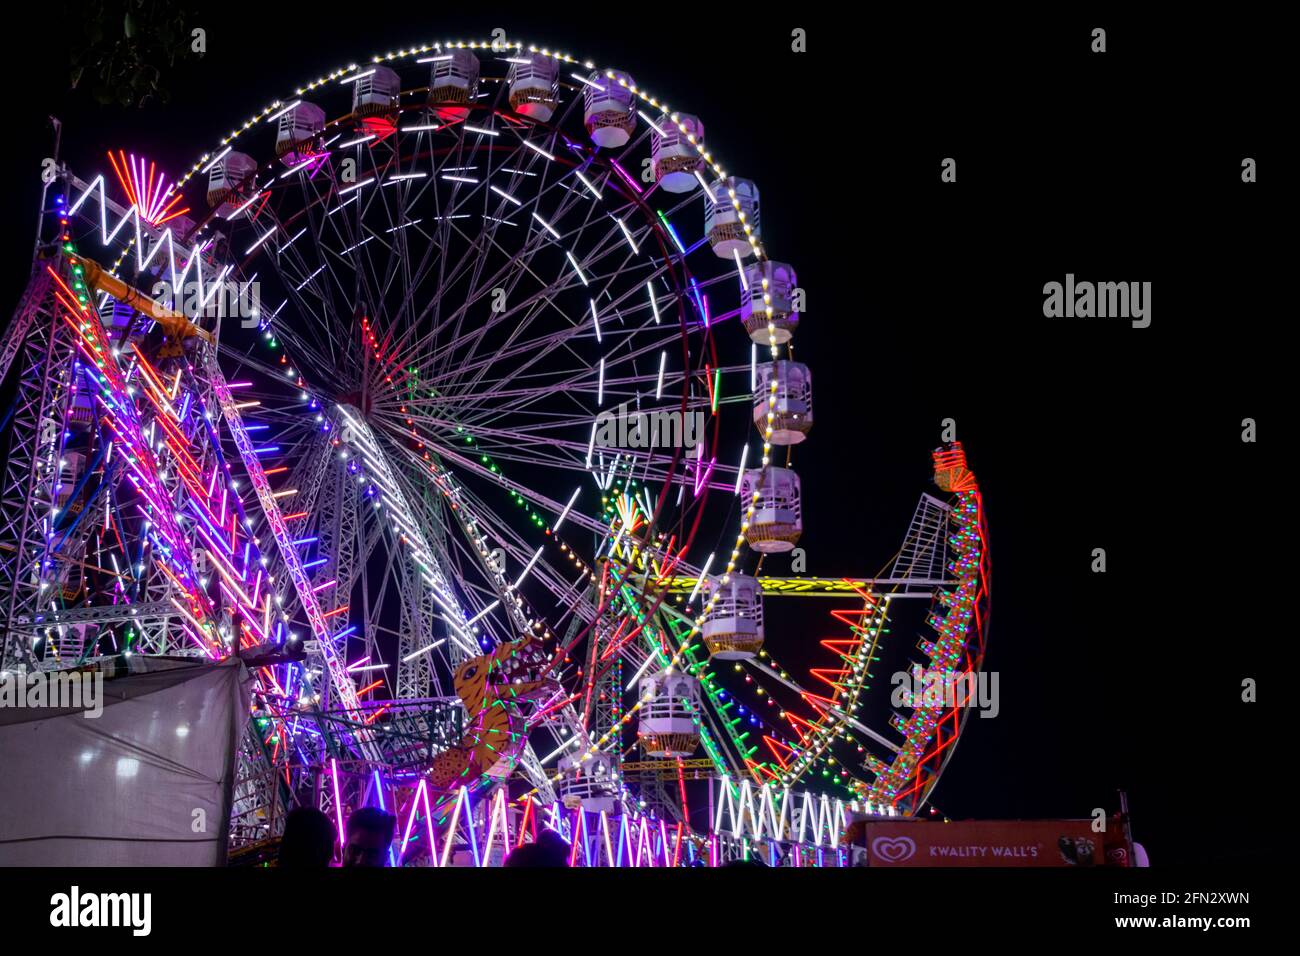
893 849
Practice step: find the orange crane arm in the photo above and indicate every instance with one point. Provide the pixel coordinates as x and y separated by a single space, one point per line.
175 325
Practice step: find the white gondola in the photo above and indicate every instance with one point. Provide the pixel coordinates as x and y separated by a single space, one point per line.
534 86
228 175
669 725
675 153
376 96
733 628
724 223
774 283
609 108
298 133
117 316
791 407
184 226
454 84
590 783
82 411
778 511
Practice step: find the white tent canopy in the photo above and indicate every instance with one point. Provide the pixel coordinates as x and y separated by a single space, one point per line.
147 782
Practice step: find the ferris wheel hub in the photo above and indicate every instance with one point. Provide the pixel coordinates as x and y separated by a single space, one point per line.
358 402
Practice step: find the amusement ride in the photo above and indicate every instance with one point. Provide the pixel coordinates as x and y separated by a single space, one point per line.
455 392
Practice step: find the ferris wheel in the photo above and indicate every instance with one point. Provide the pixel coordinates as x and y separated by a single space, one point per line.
489 362
516 409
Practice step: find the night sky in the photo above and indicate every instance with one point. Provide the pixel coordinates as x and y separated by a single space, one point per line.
925 303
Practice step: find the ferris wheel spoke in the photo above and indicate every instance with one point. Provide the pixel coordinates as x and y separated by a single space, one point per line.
578 376
470 466
546 292
471 258
511 270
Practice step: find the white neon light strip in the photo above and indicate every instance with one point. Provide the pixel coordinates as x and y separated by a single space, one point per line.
651 123
299 168
295 103
424 650
246 205
740 472
538 149
594 191
649 659
628 236
699 582
358 141
578 269
342 205
265 236
520 580
215 159
572 498
505 195
483 613
549 227
351 189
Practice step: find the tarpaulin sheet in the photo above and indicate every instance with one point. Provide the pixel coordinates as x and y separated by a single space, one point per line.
146 783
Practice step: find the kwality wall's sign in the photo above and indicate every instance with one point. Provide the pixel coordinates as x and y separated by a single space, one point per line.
983 843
